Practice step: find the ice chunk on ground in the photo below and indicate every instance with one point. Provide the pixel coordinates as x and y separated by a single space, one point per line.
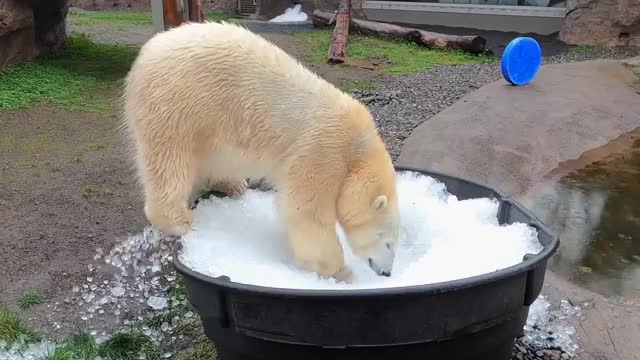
292 14
157 302
441 238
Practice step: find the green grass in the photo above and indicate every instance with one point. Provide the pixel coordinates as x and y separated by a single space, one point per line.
202 349
362 84
584 48
31 298
87 149
400 57
59 353
129 18
97 190
81 345
216 16
12 328
111 18
129 346
76 77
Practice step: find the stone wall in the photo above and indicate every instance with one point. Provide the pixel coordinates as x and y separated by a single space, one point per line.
30 28
602 22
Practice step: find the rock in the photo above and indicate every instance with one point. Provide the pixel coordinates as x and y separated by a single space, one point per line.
634 65
602 22
16 33
27 29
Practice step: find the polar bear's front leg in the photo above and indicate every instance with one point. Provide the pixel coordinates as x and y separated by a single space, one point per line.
317 248
307 208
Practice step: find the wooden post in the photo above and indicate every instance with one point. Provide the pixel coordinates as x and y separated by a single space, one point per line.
196 11
338 48
172 13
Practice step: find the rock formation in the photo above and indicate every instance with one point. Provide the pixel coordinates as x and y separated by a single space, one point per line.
602 22
29 28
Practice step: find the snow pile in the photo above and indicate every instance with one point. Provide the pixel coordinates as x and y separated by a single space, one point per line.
441 238
292 14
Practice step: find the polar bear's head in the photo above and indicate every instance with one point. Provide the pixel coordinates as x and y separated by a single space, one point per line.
368 208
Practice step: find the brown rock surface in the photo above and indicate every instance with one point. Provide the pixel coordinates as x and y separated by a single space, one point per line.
16 33
602 22
28 29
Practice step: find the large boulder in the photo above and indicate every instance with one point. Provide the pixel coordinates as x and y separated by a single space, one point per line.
17 39
30 28
602 22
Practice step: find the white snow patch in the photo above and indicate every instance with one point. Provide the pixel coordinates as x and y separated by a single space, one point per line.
292 14
441 239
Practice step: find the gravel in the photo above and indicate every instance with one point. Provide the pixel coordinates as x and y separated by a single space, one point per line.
401 103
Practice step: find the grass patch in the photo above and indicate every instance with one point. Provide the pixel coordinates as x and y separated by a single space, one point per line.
30 299
81 346
55 168
94 18
12 328
202 349
218 16
59 354
87 149
400 57
129 18
75 77
129 346
97 190
363 84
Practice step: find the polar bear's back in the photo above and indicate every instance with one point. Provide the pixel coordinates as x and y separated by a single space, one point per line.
230 70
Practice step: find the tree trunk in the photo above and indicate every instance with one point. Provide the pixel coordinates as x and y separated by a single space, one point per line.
338 48
49 23
472 43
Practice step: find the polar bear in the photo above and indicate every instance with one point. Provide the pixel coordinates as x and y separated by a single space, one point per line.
214 104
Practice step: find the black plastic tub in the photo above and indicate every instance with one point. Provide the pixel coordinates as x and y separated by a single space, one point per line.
472 318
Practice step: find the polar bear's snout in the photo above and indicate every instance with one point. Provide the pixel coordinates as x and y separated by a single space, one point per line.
381 261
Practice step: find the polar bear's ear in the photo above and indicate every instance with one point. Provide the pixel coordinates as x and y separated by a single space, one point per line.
380 203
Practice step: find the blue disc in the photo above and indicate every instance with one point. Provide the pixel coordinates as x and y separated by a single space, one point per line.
521 60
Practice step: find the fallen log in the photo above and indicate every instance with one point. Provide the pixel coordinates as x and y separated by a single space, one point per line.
338 48
472 43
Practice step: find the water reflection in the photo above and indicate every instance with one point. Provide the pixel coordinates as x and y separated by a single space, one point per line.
596 212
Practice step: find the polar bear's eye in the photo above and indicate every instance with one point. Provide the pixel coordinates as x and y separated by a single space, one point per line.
388 246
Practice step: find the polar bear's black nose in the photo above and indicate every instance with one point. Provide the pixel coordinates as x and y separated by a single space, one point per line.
378 271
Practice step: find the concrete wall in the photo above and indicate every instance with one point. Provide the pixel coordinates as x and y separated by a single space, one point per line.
522 19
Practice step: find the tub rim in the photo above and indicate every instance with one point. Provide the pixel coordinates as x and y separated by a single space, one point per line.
530 262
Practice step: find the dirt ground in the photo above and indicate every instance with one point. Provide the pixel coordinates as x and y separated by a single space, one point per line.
66 189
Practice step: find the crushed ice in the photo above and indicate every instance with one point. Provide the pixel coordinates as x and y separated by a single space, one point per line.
549 328
441 238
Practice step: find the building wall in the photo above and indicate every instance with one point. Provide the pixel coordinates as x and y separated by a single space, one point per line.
521 19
